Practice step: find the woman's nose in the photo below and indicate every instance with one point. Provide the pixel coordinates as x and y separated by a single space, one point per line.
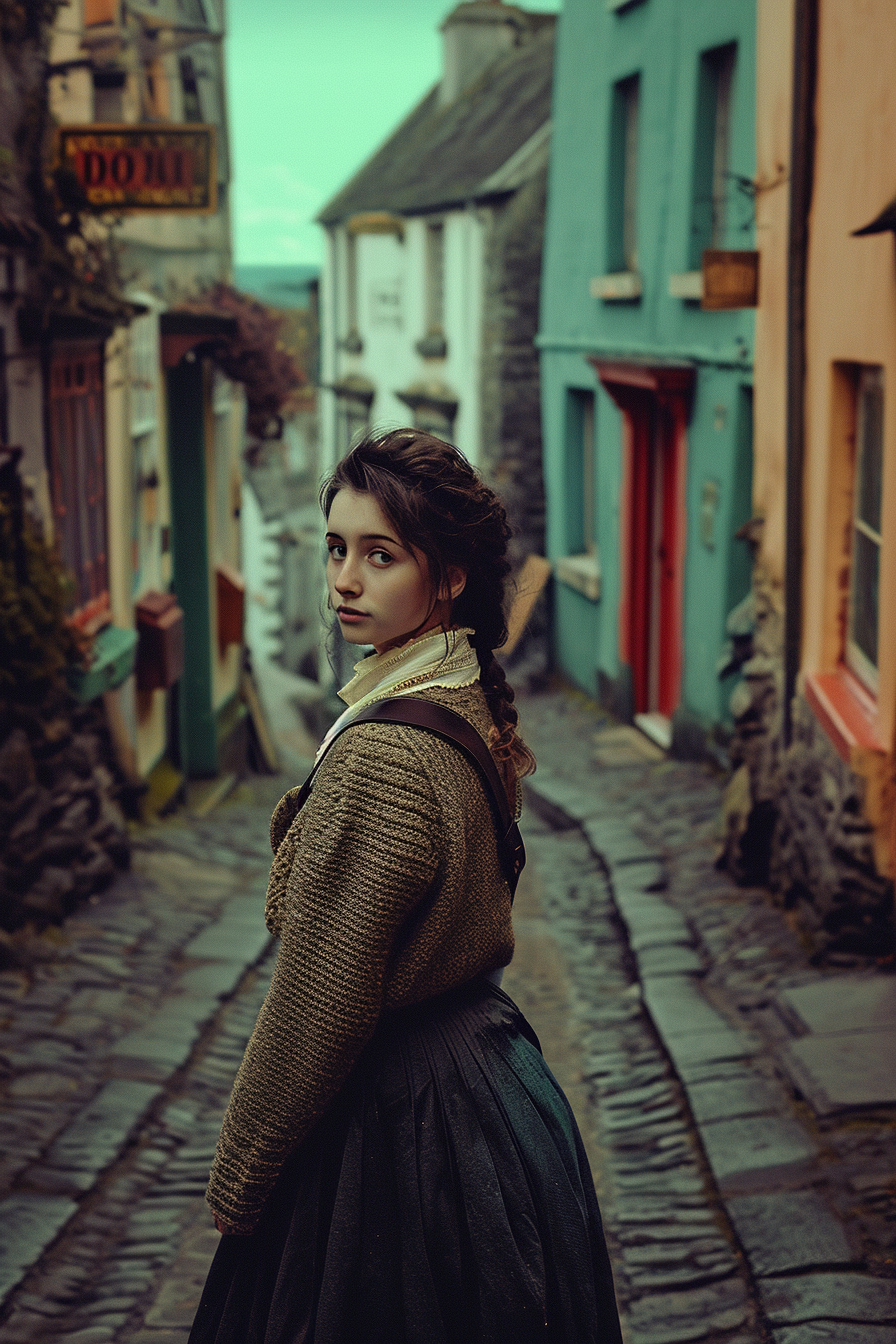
347 580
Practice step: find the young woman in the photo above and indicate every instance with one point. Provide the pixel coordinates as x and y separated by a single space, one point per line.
397 1164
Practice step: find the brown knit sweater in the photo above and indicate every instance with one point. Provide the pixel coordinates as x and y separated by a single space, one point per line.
396 817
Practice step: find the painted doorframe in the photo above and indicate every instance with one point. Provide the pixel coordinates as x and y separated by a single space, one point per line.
186 396
655 401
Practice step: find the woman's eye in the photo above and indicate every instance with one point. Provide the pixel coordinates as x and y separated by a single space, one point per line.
381 557
336 551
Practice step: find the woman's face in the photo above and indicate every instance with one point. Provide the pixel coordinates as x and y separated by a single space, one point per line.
379 588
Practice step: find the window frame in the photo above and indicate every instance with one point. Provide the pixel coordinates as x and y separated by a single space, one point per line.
711 169
76 450
869 378
622 193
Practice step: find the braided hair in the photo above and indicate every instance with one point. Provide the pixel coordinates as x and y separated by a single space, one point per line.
443 510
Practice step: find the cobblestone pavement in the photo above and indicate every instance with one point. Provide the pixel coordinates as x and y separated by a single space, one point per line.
116 1051
735 1213
804 1195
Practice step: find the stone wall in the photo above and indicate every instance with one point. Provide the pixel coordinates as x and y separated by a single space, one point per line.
63 831
794 817
511 428
511 393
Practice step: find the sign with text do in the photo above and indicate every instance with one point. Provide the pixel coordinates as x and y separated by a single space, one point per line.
142 168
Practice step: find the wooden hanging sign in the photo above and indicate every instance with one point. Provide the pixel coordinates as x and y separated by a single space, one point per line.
730 279
140 169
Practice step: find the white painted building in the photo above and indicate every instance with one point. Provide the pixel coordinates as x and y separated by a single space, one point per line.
430 287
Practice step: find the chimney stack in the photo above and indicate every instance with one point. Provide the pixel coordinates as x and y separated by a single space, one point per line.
473 35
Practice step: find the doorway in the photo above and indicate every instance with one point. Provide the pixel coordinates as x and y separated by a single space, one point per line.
653 547
655 402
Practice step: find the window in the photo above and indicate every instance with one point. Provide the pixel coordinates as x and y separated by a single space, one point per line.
864 579
582 534
78 472
622 238
435 277
352 420
580 568
433 344
351 342
108 94
189 83
712 151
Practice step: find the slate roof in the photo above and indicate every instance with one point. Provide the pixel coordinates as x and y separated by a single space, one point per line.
443 156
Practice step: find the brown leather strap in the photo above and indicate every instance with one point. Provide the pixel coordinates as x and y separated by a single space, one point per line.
453 728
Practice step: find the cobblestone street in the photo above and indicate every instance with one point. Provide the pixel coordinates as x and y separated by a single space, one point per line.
741 1206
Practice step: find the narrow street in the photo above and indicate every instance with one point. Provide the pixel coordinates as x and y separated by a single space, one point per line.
739 1207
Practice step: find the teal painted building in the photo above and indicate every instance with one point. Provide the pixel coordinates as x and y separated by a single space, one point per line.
647 396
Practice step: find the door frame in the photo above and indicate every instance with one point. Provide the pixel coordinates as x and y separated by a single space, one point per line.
655 401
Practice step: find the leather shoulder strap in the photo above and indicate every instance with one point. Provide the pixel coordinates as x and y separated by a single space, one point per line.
453 728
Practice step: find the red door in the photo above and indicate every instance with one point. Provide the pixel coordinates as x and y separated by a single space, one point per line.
655 402
649 607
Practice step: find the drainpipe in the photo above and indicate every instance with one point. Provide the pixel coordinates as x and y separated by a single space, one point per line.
802 144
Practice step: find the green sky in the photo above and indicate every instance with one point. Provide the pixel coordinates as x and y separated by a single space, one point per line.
315 86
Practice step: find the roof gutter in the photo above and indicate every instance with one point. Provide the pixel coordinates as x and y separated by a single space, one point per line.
802 162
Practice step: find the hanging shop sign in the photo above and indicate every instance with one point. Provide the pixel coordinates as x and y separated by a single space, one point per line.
730 279
141 169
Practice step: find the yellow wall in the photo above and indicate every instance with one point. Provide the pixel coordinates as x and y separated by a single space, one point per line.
851 319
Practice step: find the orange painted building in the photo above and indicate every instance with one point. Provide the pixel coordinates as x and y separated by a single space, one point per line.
848 660
816 718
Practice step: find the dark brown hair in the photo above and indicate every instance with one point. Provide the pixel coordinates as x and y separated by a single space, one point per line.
444 511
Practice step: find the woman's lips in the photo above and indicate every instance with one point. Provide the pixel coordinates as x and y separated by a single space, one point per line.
350 616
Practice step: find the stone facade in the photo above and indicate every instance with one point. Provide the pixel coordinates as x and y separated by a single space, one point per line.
511 412
795 816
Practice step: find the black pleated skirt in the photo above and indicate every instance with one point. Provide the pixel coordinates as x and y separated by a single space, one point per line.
444 1199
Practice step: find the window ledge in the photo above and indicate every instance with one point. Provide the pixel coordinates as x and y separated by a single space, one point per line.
617 287
846 712
581 572
686 285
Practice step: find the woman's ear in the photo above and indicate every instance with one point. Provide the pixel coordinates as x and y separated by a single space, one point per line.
456 582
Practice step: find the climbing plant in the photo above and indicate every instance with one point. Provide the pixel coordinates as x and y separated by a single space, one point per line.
37 642
258 358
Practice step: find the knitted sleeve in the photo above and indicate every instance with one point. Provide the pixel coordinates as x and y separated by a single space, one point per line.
367 854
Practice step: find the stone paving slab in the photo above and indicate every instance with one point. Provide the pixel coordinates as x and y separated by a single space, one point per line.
734 1096
694 1052
829 1297
664 958
784 1231
843 1003
28 1224
678 1008
650 915
845 1071
614 841
239 935
744 1151
835 1332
